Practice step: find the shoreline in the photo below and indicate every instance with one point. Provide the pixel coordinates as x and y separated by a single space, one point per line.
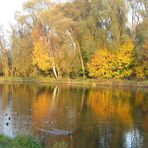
87 82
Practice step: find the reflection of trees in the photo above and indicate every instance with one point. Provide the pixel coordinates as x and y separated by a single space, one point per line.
141 104
6 105
141 101
133 139
103 116
22 98
6 95
42 107
114 110
122 109
15 98
83 98
59 104
106 103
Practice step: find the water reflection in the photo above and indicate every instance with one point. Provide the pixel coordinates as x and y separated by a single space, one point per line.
106 104
133 138
97 117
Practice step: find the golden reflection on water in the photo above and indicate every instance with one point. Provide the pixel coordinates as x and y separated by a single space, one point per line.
41 106
107 103
100 115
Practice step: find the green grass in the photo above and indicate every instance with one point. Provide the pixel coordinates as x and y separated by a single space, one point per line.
19 142
26 142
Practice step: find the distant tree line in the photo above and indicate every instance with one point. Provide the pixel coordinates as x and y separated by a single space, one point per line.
80 38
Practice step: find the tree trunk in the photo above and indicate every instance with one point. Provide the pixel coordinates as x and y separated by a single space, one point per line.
51 54
79 51
55 72
81 59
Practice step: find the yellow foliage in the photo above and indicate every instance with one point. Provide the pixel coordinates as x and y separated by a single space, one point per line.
105 64
41 57
125 59
139 71
101 64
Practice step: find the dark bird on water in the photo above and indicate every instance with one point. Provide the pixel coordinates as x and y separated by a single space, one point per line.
9 118
7 123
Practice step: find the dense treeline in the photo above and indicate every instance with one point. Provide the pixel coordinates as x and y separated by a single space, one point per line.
82 38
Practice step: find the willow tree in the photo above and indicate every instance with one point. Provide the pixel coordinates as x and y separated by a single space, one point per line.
58 38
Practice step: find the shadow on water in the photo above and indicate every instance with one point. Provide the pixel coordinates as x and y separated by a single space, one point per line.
81 116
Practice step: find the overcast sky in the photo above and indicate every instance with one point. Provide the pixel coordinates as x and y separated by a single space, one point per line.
8 9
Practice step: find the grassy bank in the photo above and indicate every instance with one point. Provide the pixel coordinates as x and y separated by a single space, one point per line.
26 142
90 82
19 142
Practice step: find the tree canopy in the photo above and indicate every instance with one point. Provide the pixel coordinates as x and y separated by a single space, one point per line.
80 38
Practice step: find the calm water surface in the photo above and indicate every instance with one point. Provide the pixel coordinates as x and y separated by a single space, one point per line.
96 117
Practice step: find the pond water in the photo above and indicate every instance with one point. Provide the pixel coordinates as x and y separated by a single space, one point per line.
81 116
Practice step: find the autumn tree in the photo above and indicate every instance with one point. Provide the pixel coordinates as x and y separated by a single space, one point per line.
125 61
101 65
78 38
21 46
40 57
105 64
59 40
